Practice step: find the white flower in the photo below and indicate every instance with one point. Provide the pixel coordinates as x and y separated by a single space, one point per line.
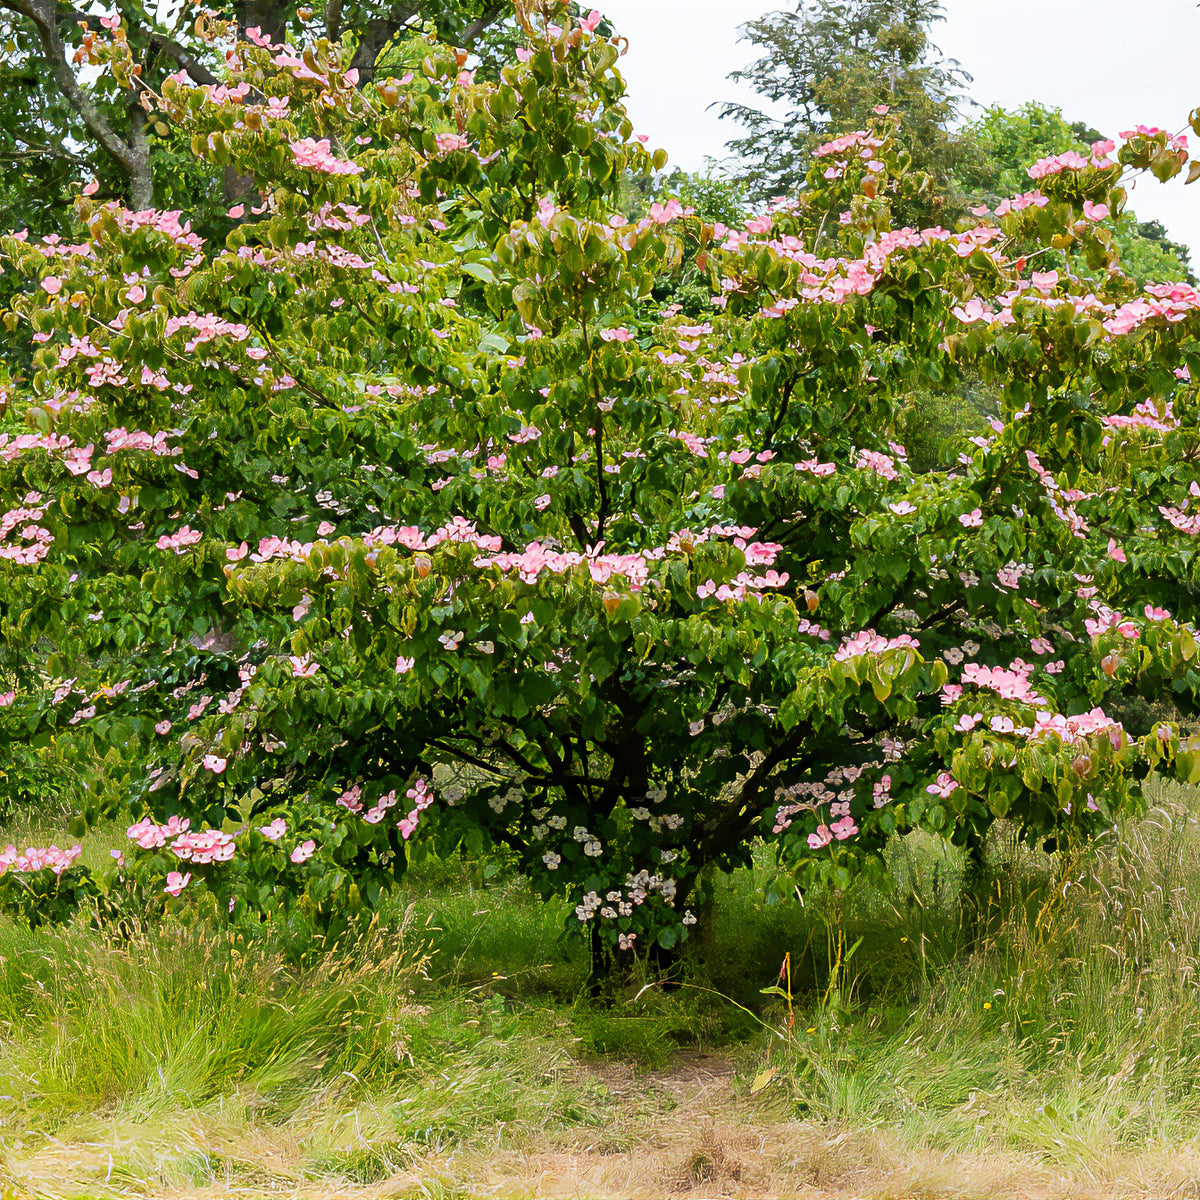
552 860
689 917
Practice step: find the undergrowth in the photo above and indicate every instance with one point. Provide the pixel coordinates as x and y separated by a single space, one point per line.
1051 1010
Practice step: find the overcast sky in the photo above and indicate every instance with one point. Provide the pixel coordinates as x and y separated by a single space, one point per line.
1112 63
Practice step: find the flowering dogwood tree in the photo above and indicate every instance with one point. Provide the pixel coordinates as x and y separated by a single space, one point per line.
404 516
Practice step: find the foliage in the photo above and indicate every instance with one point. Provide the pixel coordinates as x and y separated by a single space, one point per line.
407 498
1009 141
831 63
710 197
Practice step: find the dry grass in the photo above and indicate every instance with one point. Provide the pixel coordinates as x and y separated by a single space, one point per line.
685 1134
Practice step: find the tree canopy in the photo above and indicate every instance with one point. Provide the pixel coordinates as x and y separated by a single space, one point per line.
404 515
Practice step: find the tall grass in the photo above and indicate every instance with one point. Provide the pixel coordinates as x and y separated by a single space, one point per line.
1054 1012
1063 1017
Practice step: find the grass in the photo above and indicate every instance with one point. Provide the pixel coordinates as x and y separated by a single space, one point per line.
1045 1033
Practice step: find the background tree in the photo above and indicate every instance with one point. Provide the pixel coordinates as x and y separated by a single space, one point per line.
67 112
828 64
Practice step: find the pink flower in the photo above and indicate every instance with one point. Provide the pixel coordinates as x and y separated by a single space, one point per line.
1115 552
821 838
316 156
843 829
1040 645
52 285
325 528
303 852
163 727
971 312
971 520
303 668
238 210
176 882
620 334
449 142
944 785
275 830
404 665
1094 212
213 763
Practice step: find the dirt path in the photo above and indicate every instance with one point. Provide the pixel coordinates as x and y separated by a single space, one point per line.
684 1133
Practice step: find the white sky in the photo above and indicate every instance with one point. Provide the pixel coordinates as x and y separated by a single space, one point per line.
1111 63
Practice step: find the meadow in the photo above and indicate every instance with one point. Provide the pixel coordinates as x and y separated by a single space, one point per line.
1040 1037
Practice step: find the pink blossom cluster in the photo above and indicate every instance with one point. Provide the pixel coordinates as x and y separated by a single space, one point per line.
12 448
206 327
840 829
36 858
420 793
204 846
943 786
162 221
536 558
447 143
1009 683
315 156
1150 414
837 790
36 539
180 540
743 585
1076 729
860 139
1071 160
1179 518
1105 619
813 467
881 464
868 642
340 217
123 439
150 836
